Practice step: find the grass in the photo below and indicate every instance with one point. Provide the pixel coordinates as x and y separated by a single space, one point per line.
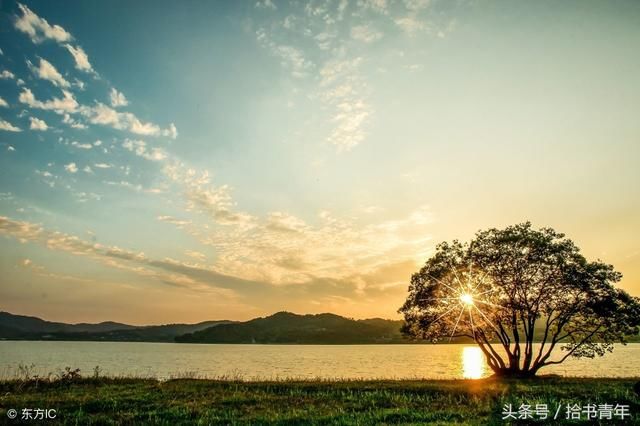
101 400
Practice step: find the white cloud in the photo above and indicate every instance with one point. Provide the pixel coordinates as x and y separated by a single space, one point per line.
207 199
107 116
266 4
416 5
196 255
102 166
165 270
67 119
81 58
324 40
81 145
290 57
175 221
38 29
87 169
365 33
71 167
37 124
5 125
117 98
47 71
60 106
344 90
410 24
139 147
7 75
3 103
379 6
10 148
171 132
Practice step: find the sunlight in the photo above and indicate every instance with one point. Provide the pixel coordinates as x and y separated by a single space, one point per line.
472 363
466 299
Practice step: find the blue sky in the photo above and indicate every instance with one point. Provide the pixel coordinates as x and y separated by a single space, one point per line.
166 161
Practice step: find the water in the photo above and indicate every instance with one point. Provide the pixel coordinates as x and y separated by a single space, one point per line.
164 360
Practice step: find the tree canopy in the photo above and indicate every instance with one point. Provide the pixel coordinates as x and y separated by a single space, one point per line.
510 288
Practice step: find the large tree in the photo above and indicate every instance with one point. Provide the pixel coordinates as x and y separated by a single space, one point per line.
510 288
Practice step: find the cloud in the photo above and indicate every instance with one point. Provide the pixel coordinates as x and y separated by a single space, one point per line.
177 222
265 4
205 198
171 132
365 33
139 147
196 255
283 222
379 6
285 250
3 103
38 29
343 90
410 24
290 57
81 58
117 98
81 145
47 71
103 166
37 124
71 167
107 116
7 75
5 125
67 119
60 106
167 271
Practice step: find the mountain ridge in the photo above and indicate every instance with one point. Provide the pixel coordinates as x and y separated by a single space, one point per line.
23 327
289 328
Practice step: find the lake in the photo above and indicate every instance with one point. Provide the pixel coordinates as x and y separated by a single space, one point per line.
165 360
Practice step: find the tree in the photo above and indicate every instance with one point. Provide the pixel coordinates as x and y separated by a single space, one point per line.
509 288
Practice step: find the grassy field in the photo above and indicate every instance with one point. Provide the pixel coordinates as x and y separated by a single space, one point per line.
195 401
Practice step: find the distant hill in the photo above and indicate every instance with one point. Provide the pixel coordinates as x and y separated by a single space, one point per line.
280 328
32 324
20 327
286 327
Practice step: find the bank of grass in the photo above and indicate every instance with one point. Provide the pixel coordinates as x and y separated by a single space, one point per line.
101 400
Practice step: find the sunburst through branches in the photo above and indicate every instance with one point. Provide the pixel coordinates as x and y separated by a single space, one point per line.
464 303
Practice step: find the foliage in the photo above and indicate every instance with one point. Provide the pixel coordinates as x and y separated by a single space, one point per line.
508 288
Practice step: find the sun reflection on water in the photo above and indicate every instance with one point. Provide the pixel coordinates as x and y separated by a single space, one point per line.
472 362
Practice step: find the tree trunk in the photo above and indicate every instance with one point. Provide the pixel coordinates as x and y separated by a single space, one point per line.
514 373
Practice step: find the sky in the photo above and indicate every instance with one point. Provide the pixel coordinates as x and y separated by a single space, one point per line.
166 161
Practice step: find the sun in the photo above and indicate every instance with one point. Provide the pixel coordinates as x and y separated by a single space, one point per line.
466 299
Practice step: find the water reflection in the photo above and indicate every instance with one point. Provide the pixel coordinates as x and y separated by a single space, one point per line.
266 362
472 362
